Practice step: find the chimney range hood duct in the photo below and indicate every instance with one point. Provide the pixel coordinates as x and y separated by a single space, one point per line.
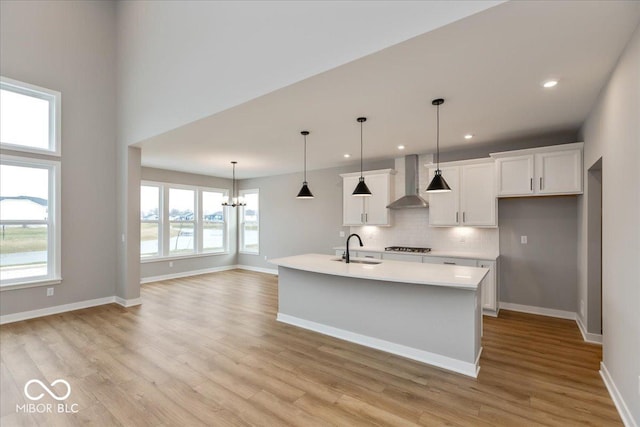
411 199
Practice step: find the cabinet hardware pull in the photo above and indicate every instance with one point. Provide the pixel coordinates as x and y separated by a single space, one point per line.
366 217
361 217
531 184
541 183
450 263
464 216
456 216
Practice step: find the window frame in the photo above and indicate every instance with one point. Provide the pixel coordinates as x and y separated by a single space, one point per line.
241 246
158 221
164 228
53 222
55 116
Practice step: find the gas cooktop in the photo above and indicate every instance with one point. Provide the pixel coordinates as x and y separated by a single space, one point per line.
407 249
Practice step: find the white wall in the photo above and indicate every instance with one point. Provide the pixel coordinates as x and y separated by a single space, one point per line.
70 47
185 60
612 132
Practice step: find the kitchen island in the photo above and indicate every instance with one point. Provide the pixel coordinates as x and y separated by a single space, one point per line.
426 312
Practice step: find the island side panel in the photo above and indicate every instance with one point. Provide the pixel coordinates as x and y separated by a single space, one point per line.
435 319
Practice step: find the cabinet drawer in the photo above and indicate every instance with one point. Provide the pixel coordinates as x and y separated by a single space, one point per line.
402 257
449 261
364 254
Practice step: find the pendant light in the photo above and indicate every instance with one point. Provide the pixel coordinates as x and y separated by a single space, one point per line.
304 192
361 188
438 184
235 201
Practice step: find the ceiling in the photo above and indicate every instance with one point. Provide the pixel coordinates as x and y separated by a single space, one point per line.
488 67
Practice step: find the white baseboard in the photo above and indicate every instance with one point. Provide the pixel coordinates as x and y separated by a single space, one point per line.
621 406
466 368
587 336
128 302
542 311
32 314
258 269
186 274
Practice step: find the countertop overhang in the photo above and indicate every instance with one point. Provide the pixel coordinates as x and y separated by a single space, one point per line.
451 276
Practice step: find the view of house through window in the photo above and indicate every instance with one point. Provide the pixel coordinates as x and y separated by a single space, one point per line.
177 220
29 194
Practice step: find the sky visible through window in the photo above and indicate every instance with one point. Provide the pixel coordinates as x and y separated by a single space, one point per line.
25 120
24 181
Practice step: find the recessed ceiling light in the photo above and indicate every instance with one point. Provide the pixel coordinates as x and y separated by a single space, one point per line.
549 83
346 156
400 147
468 136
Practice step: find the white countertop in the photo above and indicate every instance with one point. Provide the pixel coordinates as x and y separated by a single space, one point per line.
388 270
445 254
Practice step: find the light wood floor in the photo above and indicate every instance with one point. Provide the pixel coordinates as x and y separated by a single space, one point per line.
207 350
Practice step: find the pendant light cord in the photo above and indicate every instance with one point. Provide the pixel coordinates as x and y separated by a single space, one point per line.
361 151
305 158
438 137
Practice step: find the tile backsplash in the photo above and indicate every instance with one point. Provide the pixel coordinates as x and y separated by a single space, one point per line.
410 227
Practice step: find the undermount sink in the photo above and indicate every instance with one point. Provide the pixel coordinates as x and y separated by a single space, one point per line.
358 261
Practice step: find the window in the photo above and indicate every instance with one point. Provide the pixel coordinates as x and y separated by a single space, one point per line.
29 220
150 221
250 222
177 220
29 186
214 226
30 118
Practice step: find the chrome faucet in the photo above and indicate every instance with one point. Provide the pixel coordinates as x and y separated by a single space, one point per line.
346 259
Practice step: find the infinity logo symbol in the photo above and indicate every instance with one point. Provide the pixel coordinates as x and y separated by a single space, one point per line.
47 389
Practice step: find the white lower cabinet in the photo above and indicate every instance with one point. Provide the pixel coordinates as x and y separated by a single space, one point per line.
402 257
489 288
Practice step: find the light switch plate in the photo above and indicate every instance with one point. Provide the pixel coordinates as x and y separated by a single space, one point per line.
523 240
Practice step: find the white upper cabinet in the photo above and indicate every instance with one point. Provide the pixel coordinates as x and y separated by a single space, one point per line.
472 199
540 171
515 175
444 208
368 210
478 197
559 172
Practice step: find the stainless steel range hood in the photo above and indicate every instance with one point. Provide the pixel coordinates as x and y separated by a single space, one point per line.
411 199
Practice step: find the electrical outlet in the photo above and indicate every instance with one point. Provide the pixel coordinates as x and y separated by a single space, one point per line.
523 240
342 234
170 264
49 292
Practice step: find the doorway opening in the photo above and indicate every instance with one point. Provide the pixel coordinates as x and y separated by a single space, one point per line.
594 248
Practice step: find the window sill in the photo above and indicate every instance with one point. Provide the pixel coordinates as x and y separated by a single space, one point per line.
30 284
178 257
248 253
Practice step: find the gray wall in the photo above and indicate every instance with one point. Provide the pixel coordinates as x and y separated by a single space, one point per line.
612 132
161 268
289 226
543 272
70 47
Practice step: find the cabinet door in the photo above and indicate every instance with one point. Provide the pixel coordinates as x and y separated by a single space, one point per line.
402 257
478 198
375 210
352 206
444 207
514 175
559 172
489 297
